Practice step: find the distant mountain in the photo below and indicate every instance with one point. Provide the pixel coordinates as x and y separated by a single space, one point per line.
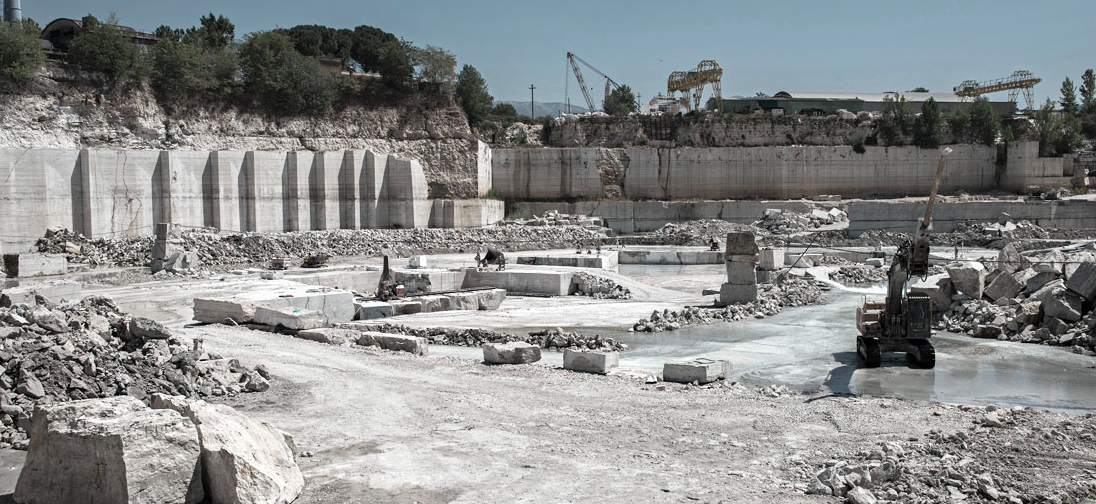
543 109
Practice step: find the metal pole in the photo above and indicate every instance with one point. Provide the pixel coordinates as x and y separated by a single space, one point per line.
532 114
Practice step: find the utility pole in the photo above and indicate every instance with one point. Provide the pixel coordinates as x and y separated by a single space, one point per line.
531 113
639 99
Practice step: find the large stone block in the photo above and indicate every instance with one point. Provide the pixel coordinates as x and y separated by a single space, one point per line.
34 264
700 370
940 292
598 362
368 310
1038 280
336 305
741 243
968 277
1065 305
216 310
1004 285
101 451
1010 260
243 460
330 335
1083 281
517 352
741 273
772 259
54 290
289 318
396 342
737 294
490 299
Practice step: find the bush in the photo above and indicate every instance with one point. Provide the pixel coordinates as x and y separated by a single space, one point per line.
20 56
102 48
176 68
858 146
927 131
281 79
984 122
959 124
897 120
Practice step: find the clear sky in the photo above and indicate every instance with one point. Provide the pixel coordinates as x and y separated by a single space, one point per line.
768 46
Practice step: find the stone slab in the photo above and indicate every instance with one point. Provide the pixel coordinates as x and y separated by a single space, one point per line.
396 342
216 310
34 264
368 310
329 335
553 283
737 294
701 370
772 259
598 362
517 352
634 256
607 260
289 317
54 290
336 305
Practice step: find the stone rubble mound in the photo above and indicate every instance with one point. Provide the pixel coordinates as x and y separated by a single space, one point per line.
599 287
89 349
772 299
1040 298
220 249
778 221
556 339
857 275
555 218
696 232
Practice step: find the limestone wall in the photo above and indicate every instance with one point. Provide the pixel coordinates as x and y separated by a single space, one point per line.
108 192
737 172
902 216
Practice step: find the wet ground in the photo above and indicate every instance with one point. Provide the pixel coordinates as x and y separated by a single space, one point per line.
813 347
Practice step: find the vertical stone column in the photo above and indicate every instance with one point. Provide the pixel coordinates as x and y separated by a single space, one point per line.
87 190
349 174
742 258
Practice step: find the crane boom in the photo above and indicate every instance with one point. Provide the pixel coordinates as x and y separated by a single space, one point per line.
581 81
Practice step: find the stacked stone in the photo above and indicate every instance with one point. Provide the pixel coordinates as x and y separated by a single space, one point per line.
772 261
742 256
169 253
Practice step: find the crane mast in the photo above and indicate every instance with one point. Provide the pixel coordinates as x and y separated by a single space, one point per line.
581 82
610 84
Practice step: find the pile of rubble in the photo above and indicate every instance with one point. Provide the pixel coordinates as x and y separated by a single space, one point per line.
964 465
599 287
555 218
858 275
221 249
1041 298
697 232
780 221
550 339
88 349
772 299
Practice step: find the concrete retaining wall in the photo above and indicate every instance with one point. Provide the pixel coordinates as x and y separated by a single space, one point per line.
108 192
741 172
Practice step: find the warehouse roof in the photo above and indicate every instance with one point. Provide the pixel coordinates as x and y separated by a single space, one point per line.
869 97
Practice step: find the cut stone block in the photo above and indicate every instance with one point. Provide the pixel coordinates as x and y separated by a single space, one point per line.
1004 286
598 362
554 283
1083 281
772 259
368 310
741 242
741 273
737 294
878 262
1065 305
216 310
766 276
330 335
434 303
510 353
336 305
1074 262
417 262
467 301
54 290
110 450
968 277
1040 279
289 318
406 306
490 299
750 258
700 370
939 291
397 342
1048 290
242 460
34 264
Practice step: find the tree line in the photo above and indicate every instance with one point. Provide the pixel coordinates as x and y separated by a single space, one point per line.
275 70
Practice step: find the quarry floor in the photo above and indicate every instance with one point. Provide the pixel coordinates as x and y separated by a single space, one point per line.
390 427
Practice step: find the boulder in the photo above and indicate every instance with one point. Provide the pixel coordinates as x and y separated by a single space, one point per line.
987 331
396 342
330 335
110 450
700 370
145 328
1047 290
1004 286
1083 281
968 277
490 299
510 353
1040 279
1056 326
940 292
1010 260
598 362
1064 305
243 461
1073 262
1051 262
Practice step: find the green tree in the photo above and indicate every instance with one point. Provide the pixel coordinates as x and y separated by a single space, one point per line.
984 122
434 64
504 111
620 101
176 68
1088 92
1069 98
471 92
959 124
101 47
215 32
897 120
20 56
281 79
919 89
927 132
165 32
1058 133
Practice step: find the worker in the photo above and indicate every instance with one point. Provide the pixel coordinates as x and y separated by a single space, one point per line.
493 256
713 244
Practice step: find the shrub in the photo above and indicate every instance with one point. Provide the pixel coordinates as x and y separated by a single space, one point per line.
858 146
927 131
20 56
281 79
102 48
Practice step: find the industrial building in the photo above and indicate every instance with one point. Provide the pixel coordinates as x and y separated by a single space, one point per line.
816 103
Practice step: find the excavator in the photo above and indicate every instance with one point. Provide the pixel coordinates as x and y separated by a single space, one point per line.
903 322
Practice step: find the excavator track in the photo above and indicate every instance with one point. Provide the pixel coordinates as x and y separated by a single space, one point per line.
869 351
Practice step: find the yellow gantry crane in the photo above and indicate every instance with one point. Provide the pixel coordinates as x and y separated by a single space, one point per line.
692 83
1020 81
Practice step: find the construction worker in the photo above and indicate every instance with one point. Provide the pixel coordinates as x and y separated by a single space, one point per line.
713 244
